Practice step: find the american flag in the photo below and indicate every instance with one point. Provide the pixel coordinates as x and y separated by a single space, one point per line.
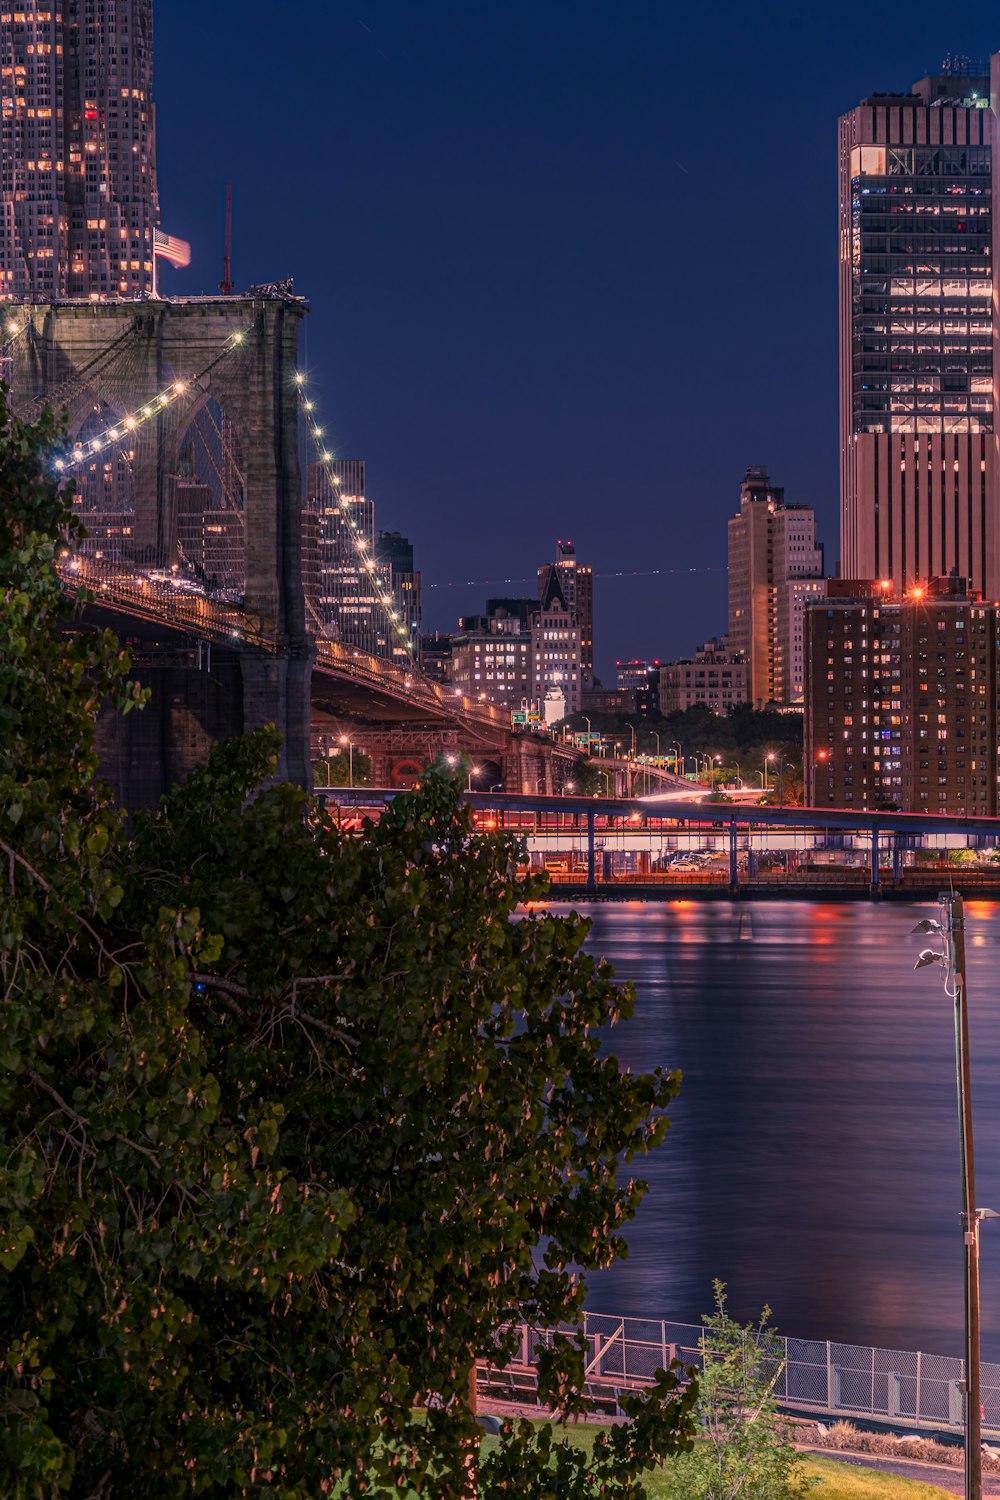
167 247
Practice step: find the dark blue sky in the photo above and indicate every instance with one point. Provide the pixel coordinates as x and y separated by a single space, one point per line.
571 264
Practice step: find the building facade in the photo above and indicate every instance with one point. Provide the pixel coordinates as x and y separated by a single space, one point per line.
491 656
556 644
716 678
775 567
394 555
346 605
576 580
78 199
901 711
917 243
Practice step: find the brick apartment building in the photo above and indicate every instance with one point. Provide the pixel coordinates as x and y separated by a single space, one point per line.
901 698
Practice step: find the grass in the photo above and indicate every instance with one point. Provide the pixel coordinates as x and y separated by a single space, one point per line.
838 1481
844 1482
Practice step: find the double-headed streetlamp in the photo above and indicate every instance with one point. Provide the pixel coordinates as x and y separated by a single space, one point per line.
952 929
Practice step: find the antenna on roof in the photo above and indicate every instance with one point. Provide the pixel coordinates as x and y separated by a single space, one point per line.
226 284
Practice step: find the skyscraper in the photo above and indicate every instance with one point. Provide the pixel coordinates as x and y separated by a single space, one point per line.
347 602
775 566
917 380
576 581
78 201
394 555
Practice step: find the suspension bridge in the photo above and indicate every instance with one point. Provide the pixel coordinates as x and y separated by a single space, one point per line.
188 426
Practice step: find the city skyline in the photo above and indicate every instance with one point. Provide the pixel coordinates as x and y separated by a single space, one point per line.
517 213
621 463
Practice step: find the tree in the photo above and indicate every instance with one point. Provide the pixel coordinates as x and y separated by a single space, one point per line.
336 770
745 1453
589 780
293 1123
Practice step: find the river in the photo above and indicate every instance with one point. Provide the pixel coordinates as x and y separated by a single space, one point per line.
812 1161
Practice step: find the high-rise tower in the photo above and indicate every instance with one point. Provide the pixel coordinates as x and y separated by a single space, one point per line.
576 579
775 568
78 201
917 180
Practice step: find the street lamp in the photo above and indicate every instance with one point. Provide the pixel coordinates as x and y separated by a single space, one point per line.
346 740
632 728
678 759
952 929
656 737
781 771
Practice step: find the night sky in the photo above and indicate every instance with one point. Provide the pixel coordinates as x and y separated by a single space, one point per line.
571 265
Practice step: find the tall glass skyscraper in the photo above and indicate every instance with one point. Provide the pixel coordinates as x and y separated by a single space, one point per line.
917 382
78 201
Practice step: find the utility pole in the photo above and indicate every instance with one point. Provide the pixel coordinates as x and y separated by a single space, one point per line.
953 911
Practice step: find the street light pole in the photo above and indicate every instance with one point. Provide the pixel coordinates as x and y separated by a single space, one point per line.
953 911
952 929
345 740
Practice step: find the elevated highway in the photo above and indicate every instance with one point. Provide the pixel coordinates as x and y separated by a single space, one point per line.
656 849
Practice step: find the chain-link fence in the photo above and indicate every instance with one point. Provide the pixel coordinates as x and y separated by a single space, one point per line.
816 1377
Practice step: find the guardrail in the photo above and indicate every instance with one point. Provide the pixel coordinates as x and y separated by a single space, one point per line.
818 1378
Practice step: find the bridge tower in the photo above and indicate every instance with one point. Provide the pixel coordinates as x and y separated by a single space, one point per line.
233 361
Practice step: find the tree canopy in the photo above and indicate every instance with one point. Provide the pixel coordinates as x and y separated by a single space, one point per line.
294 1123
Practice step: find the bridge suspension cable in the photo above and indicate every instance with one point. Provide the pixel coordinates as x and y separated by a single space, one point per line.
116 431
351 529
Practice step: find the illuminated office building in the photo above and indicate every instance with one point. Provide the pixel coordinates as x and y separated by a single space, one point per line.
775 568
917 380
345 603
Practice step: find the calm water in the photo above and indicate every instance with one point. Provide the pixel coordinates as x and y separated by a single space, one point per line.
813 1157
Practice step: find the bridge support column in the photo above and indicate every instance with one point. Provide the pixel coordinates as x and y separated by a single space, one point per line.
876 873
591 872
545 766
276 691
734 867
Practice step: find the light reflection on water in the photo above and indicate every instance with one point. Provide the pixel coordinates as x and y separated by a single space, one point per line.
813 1158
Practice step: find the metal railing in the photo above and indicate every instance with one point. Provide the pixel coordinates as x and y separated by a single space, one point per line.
817 1378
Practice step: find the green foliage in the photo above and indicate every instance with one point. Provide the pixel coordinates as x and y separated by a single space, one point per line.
293 1123
335 770
745 1454
589 780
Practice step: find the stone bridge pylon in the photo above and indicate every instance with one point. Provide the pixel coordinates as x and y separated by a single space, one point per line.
183 423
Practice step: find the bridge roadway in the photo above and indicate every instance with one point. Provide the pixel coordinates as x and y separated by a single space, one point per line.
396 716
580 831
391 712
